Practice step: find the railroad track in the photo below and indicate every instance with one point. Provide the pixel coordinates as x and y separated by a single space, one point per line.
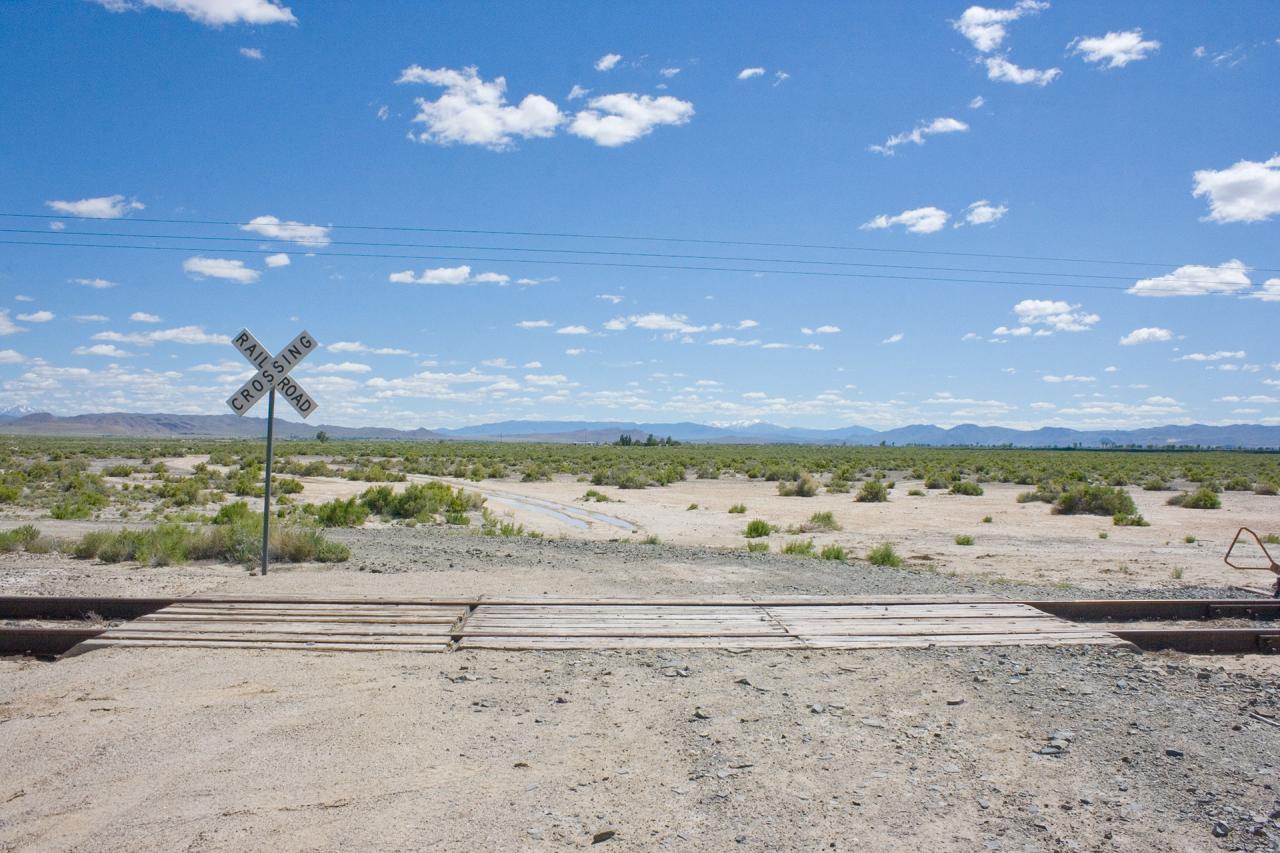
81 624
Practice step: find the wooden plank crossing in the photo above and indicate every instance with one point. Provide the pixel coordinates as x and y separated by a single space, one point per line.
534 623
299 625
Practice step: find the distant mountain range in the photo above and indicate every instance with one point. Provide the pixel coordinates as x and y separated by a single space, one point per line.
122 424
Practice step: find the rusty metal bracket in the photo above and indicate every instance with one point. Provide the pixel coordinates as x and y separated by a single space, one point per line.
1273 566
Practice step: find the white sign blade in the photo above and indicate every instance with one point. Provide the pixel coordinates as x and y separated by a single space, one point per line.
287 359
296 397
250 392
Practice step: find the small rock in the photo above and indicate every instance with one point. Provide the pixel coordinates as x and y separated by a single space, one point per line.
603 835
699 714
817 708
957 700
1173 753
874 722
1220 829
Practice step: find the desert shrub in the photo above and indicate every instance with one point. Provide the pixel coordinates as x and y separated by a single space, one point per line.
1045 493
872 491
832 552
651 539
9 493
691 507
986 519
838 486
237 542
964 539
1260 489
884 555
798 548
1121 519
966 487
1095 500
597 496
1271 539
285 486
117 471
18 538
758 547
232 513
935 482
340 513
1189 539
805 487
757 528
1202 498
1238 484
915 493
1155 484
823 521
738 509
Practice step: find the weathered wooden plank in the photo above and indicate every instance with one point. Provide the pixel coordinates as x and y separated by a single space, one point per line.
222 617
312 647
273 637
534 643
355 630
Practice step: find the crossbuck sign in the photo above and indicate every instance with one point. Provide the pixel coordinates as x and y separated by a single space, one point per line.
273 373
272 376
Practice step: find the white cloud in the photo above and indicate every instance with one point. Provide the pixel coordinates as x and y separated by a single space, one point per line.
90 318
95 283
193 335
356 346
577 92
1255 398
277 260
608 62
917 134
894 338
614 120
573 330
1211 356
1146 335
1016 332
106 350
747 324
733 342
1196 280
1054 314
1269 292
473 111
22 297
9 356
661 323
977 102
294 232
574 351
7 326
339 367
36 317
528 282
1245 192
1070 377
251 52
533 324
983 213
748 73
985 28
532 365
213 13
1115 49
1004 71
920 220
496 278
609 297
440 275
821 330
103 207
225 268
551 379
143 317
779 77
669 72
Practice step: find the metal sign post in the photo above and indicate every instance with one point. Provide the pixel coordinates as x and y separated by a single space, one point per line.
272 376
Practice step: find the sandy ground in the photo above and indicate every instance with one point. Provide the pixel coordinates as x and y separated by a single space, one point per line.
890 750
1023 542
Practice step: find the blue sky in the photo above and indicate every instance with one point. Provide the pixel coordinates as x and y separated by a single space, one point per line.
933 139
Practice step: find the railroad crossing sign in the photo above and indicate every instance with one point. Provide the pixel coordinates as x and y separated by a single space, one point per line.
273 373
272 376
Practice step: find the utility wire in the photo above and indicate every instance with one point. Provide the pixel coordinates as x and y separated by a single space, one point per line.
641 238
542 250
608 264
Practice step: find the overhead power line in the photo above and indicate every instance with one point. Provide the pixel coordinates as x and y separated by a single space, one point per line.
644 238
318 247
61 244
